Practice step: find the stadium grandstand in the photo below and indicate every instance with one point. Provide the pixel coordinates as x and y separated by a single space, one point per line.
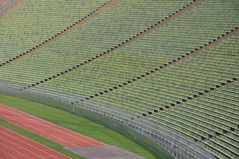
164 74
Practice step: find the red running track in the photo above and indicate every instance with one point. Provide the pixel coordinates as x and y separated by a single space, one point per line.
46 129
15 146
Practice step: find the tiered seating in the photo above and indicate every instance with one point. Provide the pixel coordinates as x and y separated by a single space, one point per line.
37 20
195 97
222 146
156 49
211 120
105 31
159 91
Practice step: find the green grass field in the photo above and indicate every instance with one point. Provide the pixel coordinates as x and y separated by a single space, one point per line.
39 139
70 121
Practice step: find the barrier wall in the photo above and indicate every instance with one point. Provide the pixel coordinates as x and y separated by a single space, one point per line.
164 143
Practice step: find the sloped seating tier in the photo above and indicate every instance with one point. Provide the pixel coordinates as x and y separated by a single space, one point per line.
190 77
121 22
121 67
36 21
196 97
206 119
211 123
224 146
154 50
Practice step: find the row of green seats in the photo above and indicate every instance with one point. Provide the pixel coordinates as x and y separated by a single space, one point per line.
144 55
222 147
122 21
179 81
37 20
213 122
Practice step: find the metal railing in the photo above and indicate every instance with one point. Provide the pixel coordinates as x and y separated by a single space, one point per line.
179 146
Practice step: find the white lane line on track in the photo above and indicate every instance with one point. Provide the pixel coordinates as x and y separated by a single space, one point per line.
35 130
13 151
43 146
8 155
59 128
21 148
25 143
63 131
